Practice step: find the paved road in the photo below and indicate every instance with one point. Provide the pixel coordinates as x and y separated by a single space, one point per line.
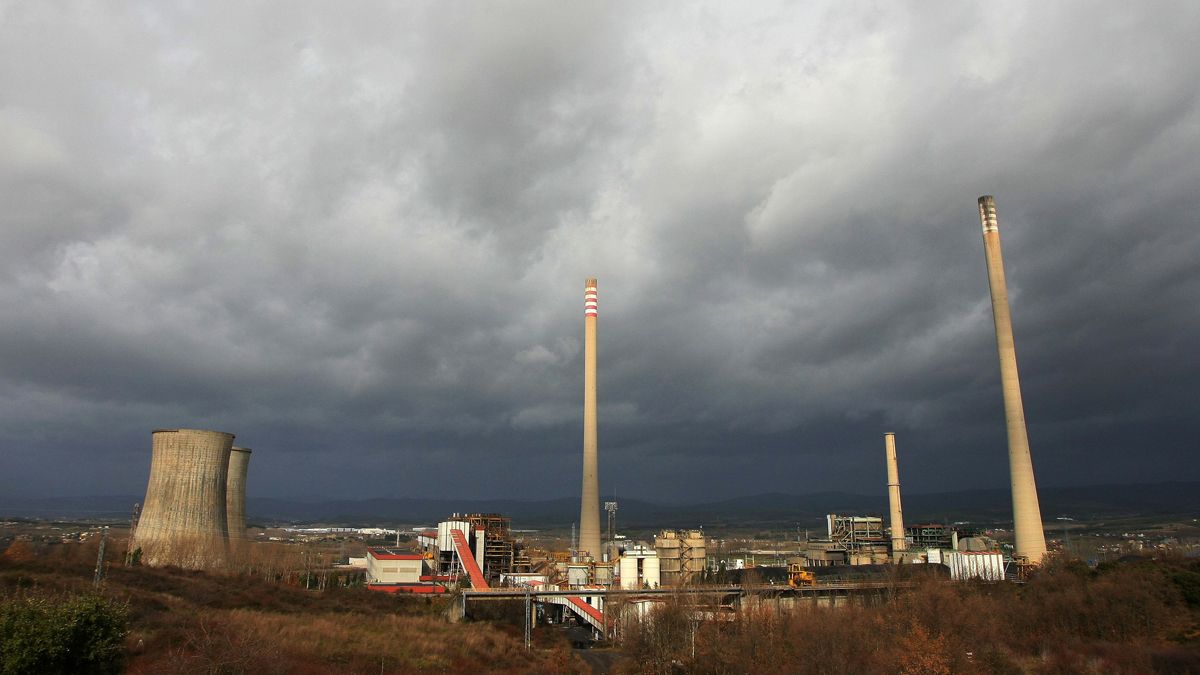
601 661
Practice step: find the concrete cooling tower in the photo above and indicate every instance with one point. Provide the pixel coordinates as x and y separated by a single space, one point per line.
183 519
235 493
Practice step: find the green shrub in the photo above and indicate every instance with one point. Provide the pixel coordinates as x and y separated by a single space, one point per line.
1188 581
81 633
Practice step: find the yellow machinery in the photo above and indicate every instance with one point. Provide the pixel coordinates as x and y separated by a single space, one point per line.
798 576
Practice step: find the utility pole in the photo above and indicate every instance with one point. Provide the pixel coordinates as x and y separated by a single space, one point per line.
133 523
100 557
528 619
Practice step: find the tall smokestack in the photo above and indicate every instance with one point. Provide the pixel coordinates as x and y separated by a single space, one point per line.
899 543
589 507
235 493
1027 515
183 522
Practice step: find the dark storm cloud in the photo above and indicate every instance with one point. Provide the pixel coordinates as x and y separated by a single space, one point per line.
357 239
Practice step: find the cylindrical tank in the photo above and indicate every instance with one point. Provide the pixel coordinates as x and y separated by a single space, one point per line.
629 573
235 493
184 521
650 573
669 547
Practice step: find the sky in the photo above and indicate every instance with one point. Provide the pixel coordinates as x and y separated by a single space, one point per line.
356 236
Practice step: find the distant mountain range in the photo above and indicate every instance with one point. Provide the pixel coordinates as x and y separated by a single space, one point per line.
764 510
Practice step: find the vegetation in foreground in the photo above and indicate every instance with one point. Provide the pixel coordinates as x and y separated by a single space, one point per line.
1132 617
61 634
173 621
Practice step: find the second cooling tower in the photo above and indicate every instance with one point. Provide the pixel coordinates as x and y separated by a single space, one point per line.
235 493
183 522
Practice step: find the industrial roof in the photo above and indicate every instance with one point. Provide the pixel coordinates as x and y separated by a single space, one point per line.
207 431
388 554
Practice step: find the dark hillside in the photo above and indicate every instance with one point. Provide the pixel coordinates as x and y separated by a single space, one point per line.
186 621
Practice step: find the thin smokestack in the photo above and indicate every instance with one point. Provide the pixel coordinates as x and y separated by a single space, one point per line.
589 508
899 542
1027 514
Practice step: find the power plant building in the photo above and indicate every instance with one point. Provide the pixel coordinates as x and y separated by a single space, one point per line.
850 540
681 556
386 566
489 539
639 568
183 521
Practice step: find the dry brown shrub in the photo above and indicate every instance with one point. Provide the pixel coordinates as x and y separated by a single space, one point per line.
20 551
1068 618
920 652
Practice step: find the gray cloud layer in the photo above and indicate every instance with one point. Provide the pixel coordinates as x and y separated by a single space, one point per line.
357 238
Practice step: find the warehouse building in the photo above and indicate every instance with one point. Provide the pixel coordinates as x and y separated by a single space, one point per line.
387 566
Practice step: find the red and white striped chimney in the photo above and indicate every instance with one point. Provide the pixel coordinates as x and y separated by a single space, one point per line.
589 298
589 507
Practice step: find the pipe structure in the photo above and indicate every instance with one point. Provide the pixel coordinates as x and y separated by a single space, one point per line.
1027 514
235 494
899 541
589 507
183 521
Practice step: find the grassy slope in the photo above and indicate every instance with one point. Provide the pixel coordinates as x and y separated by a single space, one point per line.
185 621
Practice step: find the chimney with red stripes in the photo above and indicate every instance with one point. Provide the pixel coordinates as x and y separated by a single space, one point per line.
589 508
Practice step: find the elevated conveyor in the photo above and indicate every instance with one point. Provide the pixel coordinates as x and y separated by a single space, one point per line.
468 561
582 609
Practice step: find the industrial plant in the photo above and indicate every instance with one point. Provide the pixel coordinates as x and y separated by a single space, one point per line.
477 550
194 517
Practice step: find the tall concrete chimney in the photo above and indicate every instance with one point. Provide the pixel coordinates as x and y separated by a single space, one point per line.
899 542
235 494
589 507
183 522
1027 515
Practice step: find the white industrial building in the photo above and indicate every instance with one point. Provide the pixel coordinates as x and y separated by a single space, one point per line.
385 566
963 565
639 568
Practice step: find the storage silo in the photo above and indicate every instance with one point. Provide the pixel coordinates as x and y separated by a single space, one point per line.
235 493
183 520
669 547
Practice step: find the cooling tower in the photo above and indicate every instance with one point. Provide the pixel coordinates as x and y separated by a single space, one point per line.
1027 515
183 518
899 543
235 493
589 508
